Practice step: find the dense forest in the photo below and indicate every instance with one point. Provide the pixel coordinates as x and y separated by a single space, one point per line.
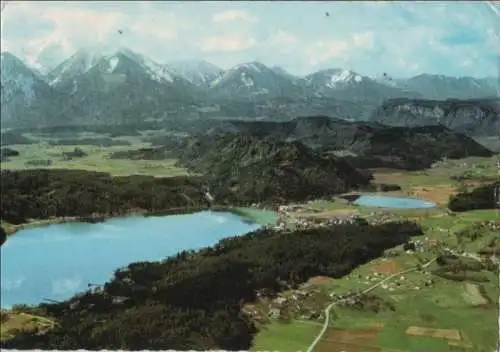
267 169
482 197
41 194
194 299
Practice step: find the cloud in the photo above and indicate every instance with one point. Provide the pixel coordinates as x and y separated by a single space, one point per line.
281 37
84 24
400 38
233 15
339 49
229 43
363 40
155 30
322 50
69 28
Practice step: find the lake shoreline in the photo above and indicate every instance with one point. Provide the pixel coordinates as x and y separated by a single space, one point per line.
247 214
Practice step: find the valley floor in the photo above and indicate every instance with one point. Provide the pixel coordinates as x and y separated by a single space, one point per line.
429 313
422 311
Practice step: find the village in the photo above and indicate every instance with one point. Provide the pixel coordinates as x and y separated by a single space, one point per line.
307 302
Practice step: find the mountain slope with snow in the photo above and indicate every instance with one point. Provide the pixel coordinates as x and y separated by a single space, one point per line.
124 85
348 85
76 65
116 86
255 79
25 95
200 73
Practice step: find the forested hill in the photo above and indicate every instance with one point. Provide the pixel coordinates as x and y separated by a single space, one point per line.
262 169
41 194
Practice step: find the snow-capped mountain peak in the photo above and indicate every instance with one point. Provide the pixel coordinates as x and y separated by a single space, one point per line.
18 78
156 71
107 62
243 73
22 89
255 78
78 64
197 72
334 78
253 66
344 76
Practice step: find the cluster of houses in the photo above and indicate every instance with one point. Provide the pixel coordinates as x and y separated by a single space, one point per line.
400 282
297 300
293 223
492 224
290 219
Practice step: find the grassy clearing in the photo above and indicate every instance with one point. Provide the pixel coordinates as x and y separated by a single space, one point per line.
15 321
260 216
291 337
97 159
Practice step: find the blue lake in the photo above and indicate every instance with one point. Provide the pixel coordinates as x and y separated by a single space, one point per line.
393 202
57 261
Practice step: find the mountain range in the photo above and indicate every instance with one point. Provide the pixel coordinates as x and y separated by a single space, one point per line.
92 86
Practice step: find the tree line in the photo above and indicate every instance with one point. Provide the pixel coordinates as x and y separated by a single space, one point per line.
41 194
482 197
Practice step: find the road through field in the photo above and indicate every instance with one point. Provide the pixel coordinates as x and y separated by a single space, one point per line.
327 309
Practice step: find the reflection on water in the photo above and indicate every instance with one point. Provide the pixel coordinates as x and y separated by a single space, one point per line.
56 261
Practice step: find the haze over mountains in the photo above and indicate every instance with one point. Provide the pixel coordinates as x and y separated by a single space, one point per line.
125 86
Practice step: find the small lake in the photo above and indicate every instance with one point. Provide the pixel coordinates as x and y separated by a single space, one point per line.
57 261
393 202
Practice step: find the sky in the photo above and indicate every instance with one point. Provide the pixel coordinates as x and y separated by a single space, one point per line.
401 39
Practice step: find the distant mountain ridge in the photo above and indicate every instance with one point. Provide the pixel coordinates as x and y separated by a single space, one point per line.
442 87
99 86
346 84
478 117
